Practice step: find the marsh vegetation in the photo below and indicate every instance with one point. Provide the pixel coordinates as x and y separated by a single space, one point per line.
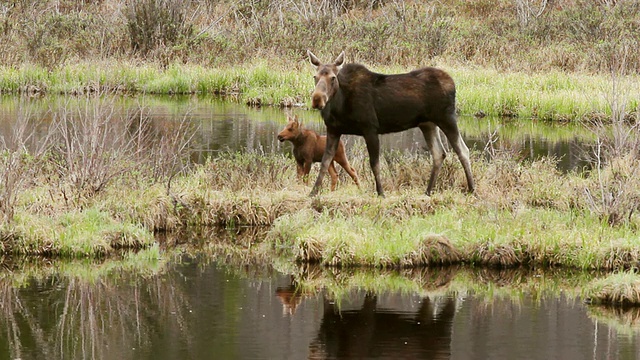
102 180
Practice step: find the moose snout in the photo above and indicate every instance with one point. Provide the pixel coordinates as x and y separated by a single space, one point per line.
280 138
318 100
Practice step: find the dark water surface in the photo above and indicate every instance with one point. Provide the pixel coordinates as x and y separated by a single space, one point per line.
196 308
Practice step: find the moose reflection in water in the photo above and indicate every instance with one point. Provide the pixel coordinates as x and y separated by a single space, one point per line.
309 146
356 101
374 330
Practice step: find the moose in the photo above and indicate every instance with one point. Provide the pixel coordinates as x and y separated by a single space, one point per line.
356 101
309 147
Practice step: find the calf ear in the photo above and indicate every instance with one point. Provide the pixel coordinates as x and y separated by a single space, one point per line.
313 59
339 60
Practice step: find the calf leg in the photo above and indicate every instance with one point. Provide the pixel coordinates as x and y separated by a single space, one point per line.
306 170
300 169
334 175
351 171
434 144
373 147
341 158
327 157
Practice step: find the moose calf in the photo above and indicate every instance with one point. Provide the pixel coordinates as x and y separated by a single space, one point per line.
308 147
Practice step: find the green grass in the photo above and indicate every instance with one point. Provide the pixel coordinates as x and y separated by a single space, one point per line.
550 96
546 97
72 234
142 262
522 213
621 288
476 236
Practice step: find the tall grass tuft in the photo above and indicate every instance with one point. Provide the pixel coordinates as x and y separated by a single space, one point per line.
87 233
622 288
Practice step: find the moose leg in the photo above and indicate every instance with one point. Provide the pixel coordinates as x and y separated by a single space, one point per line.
434 144
373 147
300 169
461 149
327 157
334 175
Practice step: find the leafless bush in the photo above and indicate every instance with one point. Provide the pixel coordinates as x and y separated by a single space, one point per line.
170 150
528 9
95 145
19 155
157 23
616 155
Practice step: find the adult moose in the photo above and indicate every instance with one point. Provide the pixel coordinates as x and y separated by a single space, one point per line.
356 101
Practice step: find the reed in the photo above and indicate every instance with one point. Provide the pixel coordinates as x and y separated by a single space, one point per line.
170 47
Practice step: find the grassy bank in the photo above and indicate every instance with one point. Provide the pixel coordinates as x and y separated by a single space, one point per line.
547 97
521 214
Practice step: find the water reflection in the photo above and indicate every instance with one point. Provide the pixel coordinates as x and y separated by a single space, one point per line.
225 126
373 331
194 307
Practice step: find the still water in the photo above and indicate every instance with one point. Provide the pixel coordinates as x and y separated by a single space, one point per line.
197 307
225 126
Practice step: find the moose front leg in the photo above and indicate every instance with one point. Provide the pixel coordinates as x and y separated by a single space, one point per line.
327 158
373 147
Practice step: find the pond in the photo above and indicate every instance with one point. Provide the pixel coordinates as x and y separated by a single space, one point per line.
196 306
226 126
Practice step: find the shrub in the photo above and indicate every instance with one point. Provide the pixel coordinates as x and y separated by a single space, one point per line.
157 23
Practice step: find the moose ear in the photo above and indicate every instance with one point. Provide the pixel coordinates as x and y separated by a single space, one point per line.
295 119
339 60
313 59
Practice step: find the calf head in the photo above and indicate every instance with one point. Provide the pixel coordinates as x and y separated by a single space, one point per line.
291 130
326 79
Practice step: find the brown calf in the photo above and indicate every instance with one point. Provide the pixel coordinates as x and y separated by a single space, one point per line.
308 147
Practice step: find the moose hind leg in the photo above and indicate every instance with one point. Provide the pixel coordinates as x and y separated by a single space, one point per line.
434 144
461 149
